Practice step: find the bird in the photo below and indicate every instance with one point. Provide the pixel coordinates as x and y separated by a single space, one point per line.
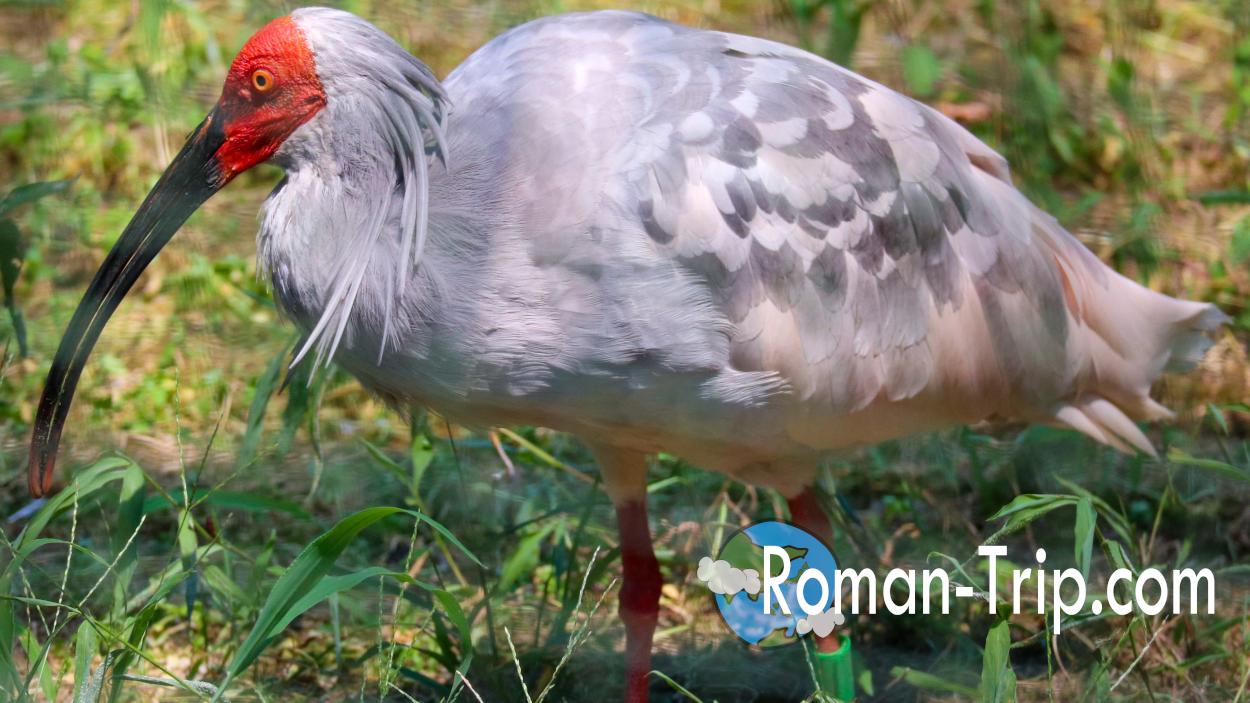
659 239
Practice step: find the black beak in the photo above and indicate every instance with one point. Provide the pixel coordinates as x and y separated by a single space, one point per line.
190 180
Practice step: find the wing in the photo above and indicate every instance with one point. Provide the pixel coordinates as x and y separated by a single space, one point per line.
860 246
839 225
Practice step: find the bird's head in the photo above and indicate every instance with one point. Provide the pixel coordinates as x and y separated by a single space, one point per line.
288 73
272 89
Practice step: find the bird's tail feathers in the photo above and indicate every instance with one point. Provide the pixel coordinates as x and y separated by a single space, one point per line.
1124 337
1105 422
1192 344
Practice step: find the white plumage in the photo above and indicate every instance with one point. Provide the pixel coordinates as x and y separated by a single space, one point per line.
659 239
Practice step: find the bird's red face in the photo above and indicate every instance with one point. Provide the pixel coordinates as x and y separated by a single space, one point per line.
271 90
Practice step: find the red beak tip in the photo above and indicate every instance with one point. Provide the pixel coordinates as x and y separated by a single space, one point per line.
40 478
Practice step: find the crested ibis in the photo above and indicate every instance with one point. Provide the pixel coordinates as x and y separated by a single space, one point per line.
657 238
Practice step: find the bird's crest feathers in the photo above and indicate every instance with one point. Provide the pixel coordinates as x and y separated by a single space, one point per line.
392 100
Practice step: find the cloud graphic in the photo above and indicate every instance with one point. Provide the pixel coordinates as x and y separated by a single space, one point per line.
753 581
724 579
820 623
705 568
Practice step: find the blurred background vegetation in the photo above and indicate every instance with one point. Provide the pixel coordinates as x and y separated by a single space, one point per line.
1127 119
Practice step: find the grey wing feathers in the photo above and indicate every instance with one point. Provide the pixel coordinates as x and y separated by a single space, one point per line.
866 247
859 247
825 212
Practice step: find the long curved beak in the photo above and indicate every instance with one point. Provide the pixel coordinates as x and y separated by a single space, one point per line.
192 178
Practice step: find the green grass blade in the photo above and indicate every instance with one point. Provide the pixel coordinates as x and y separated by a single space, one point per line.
201 687
1113 517
130 512
160 587
998 682
94 687
138 630
265 386
456 615
39 602
12 255
920 679
1025 509
188 546
235 500
298 580
325 588
239 500
10 677
1084 546
225 587
32 192
421 451
299 395
39 662
1222 197
1032 502
84 650
523 558
87 482
446 533
680 689
1176 456
387 463
337 629
307 571
257 575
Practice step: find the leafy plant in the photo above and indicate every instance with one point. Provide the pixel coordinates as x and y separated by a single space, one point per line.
845 18
921 69
306 582
13 247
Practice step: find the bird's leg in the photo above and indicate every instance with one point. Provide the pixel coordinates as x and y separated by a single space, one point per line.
805 511
640 596
625 478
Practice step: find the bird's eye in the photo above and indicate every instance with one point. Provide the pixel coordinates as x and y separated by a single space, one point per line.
262 80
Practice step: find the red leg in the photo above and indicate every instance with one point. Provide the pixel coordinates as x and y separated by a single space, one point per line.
640 595
805 511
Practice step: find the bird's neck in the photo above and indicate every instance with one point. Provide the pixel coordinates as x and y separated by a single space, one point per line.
314 233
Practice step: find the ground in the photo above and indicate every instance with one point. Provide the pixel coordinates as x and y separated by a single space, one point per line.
1126 118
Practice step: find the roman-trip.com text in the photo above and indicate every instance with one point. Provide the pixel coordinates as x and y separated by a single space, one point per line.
1063 592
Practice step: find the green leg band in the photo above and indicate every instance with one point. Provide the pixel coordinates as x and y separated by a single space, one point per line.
835 673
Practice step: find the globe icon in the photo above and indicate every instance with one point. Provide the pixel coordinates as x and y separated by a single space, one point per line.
744 612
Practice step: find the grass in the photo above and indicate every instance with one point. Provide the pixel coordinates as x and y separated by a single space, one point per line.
213 538
412 605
